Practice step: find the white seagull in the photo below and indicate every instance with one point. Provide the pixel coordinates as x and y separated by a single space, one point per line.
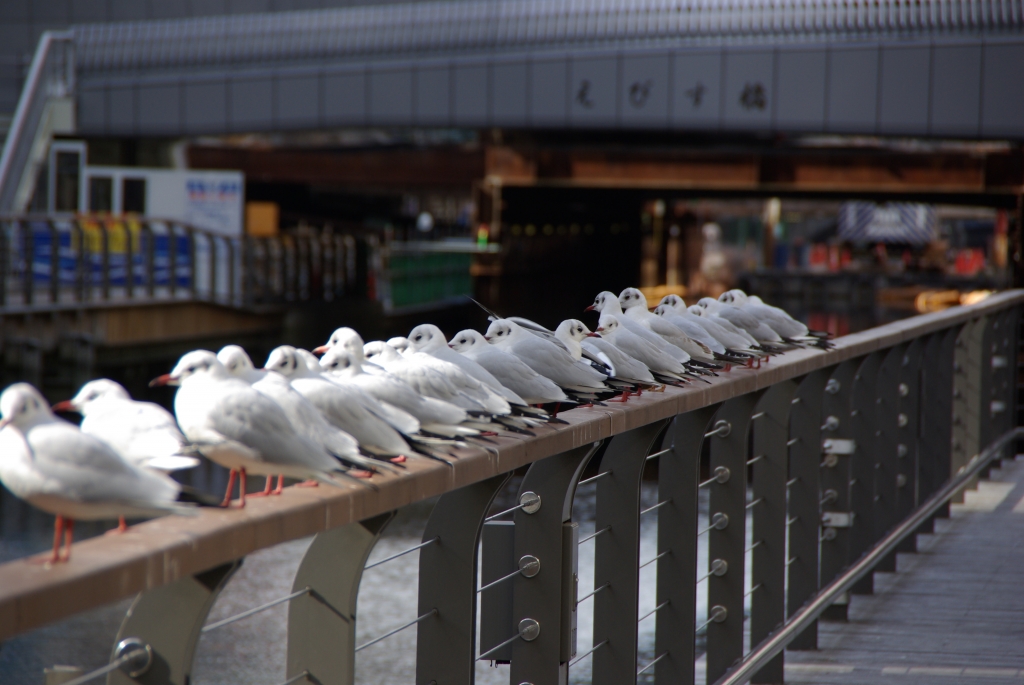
779 319
756 327
575 335
612 329
634 305
607 303
547 358
54 466
509 369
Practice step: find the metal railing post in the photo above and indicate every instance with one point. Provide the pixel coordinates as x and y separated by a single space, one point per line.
935 426
169 619
887 430
728 542
804 514
446 641
768 506
864 466
322 623
907 444
617 554
678 479
836 453
546 597
966 396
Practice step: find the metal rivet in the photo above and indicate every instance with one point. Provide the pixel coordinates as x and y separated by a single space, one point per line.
139 664
901 451
833 386
831 461
904 389
722 429
719 613
722 474
831 423
529 629
530 502
529 565
906 359
829 534
901 480
719 567
719 521
902 420
829 496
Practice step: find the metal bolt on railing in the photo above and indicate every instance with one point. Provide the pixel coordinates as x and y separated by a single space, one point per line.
833 386
656 506
436 538
529 630
375 640
721 475
718 522
828 496
587 653
591 594
656 660
529 502
595 534
655 610
756 416
722 429
831 423
529 566
830 461
717 614
719 567
651 561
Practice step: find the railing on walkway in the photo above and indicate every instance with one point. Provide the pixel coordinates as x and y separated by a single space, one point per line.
824 453
48 262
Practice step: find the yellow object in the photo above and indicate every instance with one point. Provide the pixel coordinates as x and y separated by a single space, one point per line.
936 300
654 293
262 219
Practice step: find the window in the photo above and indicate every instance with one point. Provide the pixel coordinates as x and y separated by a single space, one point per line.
133 195
101 194
67 180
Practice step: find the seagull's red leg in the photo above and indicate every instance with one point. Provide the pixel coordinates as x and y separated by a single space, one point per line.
122 527
621 398
241 488
69 534
558 405
58 533
231 486
311 483
400 459
280 484
267 490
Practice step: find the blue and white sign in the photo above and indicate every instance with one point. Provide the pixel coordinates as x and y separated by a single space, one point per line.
897 222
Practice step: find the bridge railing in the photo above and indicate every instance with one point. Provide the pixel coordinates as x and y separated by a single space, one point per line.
48 262
805 464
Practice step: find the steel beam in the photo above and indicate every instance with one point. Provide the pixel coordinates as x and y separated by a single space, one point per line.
729 448
322 624
446 642
545 659
678 478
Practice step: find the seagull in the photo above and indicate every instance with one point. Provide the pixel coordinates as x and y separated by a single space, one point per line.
303 416
665 367
54 466
144 433
436 417
723 325
719 339
509 369
778 319
545 357
412 368
761 331
240 428
607 303
574 334
345 406
400 343
634 305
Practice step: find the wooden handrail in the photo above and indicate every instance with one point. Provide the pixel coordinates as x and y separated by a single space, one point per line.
151 554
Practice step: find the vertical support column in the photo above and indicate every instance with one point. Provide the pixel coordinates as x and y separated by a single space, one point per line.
805 418
322 626
727 541
678 480
617 554
544 659
169 619
768 506
936 425
864 466
446 642
887 419
907 452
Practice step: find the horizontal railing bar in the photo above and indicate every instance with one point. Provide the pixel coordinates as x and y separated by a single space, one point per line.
651 561
500 580
791 482
656 506
777 640
587 653
431 541
219 537
397 630
103 670
707 482
652 663
594 535
658 454
751 548
593 478
255 610
591 594
655 610
793 441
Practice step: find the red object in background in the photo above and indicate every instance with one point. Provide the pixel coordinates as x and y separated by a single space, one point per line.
845 258
969 261
818 255
836 324
833 258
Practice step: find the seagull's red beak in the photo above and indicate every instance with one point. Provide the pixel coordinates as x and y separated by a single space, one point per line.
4 422
165 379
64 406
321 350
487 338
599 329
589 309
451 346
593 334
